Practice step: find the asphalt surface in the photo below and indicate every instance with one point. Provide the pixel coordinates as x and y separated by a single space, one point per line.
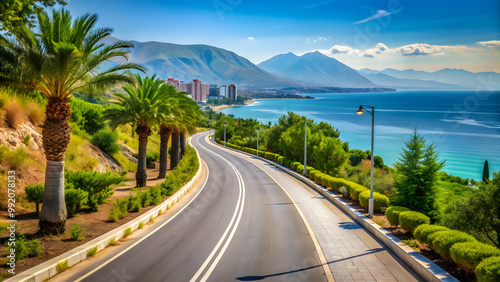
240 226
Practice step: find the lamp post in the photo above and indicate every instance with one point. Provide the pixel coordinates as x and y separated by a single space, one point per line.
305 148
258 130
225 124
360 111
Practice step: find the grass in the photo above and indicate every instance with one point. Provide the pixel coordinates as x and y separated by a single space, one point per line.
111 242
92 251
124 162
380 222
78 154
160 212
141 225
151 219
412 244
62 266
3 226
127 232
14 159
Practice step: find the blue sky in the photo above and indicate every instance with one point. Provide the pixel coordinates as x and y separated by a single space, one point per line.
424 35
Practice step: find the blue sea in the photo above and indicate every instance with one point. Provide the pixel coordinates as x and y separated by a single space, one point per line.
463 125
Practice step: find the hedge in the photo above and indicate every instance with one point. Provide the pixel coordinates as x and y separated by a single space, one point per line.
356 191
422 232
443 241
379 201
470 254
488 270
300 169
308 170
392 214
409 220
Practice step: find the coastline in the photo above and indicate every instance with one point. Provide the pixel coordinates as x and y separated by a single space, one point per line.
248 102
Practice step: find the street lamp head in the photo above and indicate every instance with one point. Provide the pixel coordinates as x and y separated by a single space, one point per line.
225 123
360 111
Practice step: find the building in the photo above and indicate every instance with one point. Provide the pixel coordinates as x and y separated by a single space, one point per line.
205 88
232 92
174 82
223 91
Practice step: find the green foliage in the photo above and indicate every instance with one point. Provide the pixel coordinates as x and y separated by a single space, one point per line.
356 191
106 140
24 248
20 12
423 231
418 166
75 199
409 220
479 213
357 155
127 232
34 248
187 168
489 270
379 201
134 204
62 266
329 156
470 254
96 184
151 157
392 214
141 225
443 241
119 210
412 244
87 116
486 172
111 242
92 251
34 193
14 159
76 233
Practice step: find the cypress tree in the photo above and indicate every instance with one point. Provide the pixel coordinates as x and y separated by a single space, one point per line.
486 172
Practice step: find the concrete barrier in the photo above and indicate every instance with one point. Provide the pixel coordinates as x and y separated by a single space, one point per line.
49 268
418 262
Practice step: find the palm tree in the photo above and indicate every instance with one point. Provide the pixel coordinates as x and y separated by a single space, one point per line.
184 118
63 55
146 105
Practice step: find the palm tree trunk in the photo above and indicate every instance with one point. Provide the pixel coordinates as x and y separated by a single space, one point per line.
182 144
55 140
141 176
165 132
174 151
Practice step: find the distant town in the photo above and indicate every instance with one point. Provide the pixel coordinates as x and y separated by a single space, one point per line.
201 92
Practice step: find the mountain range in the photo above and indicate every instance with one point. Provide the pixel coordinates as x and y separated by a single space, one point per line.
219 66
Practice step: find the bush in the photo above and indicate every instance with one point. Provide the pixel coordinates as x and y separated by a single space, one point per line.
423 231
308 170
24 248
92 251
134 203
379 201
14 159
127 232
75 199
409 220
107 141
145 198
443 241
13 114
342 190
76 232
392 214
295 165
119 210
35 113
358 190
300 169
470 254
87 115
488 270
34 248
34 193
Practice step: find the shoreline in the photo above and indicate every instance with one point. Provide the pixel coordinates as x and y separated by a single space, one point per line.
249 102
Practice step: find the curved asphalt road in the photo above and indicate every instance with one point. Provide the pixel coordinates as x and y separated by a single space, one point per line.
241 226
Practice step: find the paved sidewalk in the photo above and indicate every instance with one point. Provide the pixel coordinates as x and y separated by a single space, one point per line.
352 252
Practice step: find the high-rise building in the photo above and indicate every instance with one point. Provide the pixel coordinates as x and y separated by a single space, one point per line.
232 92
223 90
174 82
205 89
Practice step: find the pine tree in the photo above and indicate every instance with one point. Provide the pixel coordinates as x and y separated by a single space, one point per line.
418 165
486 172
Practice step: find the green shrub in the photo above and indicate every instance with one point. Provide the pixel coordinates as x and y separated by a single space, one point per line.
145 198
308 170
107 141
342 190
62 266
295 165
470 254
444 240
127 232
34 248
87 115
76 233
141 225
488 270
409 220
184 172
412 244
34 193
423 231
24 248
392 214
300 169
134 204
379 201
92 251
119 209
356 191
111 242
96 184
74 198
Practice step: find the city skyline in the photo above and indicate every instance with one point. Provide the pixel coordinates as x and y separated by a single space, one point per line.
396 34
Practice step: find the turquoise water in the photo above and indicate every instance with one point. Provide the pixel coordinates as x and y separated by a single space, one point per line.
464 125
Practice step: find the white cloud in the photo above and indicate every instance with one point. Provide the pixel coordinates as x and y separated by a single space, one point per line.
251 38
491 43
340 49
379 48
378 15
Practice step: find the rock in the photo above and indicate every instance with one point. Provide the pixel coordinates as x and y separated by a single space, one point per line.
14 138
104 160
128 153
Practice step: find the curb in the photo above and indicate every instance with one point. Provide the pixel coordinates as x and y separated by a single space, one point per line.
49 268
415 260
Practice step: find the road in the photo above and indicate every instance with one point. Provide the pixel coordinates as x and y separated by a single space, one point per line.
248 222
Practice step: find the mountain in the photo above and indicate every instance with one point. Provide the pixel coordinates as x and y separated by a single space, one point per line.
315 68
207 63
403 83
467 79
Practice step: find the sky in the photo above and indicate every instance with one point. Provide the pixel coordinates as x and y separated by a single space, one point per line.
419 34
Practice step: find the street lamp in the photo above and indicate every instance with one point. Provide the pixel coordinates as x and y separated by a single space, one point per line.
258 130
360 111
225 124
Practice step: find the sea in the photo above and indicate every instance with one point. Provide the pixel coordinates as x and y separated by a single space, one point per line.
463 125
